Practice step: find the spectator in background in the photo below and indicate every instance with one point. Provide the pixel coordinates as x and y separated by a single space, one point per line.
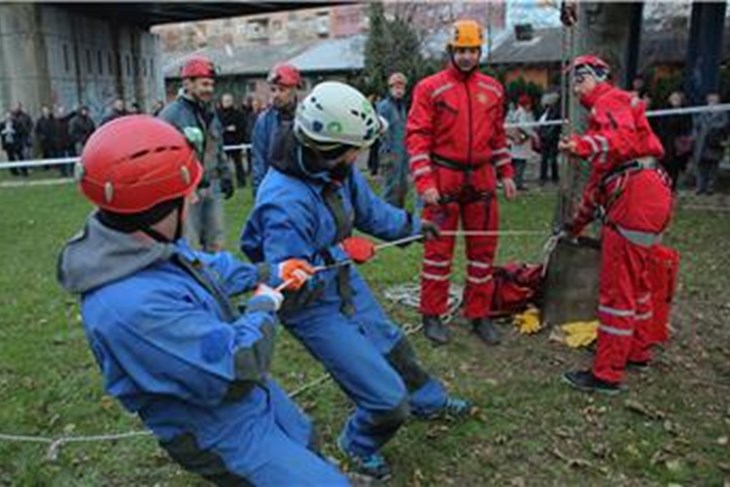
392 150
250 108
12 142
81 128
284 81
521 138
24 126
549 137
638 87
135 109
233 122
374 153
711 131
118 110
64 141
45 134
675 133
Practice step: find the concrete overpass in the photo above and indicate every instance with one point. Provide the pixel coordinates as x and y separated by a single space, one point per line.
91 53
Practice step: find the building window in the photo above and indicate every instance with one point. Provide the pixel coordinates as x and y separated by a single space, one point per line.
129 65
89 66
152 67
100 62
144 67
110 63
66 64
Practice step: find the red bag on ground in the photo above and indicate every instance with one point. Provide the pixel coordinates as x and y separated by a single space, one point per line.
515 286
663 275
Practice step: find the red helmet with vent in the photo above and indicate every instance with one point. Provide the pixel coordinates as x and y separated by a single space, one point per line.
133 163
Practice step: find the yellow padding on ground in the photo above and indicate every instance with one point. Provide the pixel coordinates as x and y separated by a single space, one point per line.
528 322
580 333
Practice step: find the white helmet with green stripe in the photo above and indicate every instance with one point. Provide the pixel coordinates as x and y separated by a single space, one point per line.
335 114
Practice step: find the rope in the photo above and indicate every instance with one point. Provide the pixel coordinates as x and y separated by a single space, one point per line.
55 444
564 121
406 294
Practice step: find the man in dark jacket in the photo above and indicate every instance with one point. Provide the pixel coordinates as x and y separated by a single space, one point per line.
711 132
64 142
81 128
549 137
23 124
45 133
233 122
192 114
118 110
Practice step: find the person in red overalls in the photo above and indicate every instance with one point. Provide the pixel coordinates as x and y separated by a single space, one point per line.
457 149
632 194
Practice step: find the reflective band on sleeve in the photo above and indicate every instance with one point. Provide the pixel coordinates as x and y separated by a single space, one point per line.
418 157
644 299
479 280
491 88
421 171
441 89
622 313
503 162
592 142
615 331
644 316
434 277
479 265
604 149
503 150
643 239
436 263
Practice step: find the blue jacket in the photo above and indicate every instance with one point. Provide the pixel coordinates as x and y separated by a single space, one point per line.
204 131
264 134
393 142
303 212
171 350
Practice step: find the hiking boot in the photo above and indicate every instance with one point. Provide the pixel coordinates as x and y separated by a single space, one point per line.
585 381
374 465
435 330
487 331
454 408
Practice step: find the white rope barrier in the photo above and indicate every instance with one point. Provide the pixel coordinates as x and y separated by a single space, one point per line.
654 113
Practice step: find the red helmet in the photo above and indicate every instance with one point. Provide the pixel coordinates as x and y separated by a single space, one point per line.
135 162
593 63
285 75
198 67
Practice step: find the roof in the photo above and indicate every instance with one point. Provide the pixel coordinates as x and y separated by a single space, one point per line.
346 54
153 13
230 60
544 47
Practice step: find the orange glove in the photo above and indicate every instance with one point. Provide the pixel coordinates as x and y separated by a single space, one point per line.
359 249
295 273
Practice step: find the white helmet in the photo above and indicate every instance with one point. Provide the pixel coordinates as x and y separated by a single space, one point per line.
335 114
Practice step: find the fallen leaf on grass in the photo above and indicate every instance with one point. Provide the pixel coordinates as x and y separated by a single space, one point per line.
722 441
673 465
572 462
635 406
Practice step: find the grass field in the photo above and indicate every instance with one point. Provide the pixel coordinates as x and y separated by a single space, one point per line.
672 427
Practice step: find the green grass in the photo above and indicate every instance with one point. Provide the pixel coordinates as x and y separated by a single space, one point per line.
530 430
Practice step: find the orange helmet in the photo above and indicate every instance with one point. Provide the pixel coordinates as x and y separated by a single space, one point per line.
467 33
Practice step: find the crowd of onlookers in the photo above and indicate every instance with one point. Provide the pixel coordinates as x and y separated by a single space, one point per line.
58 133
693 143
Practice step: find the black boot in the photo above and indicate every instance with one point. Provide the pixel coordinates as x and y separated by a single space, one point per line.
435 330
487 331
585 381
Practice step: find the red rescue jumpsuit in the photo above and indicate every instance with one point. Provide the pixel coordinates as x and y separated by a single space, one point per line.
627 186
456 144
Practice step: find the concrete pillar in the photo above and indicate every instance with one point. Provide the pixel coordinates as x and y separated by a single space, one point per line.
51 55
704 50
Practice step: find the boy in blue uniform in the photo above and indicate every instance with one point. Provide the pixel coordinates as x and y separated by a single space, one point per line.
158 316
309 204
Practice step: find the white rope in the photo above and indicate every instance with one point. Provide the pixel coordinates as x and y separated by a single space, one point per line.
55 444
654 113
73 160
